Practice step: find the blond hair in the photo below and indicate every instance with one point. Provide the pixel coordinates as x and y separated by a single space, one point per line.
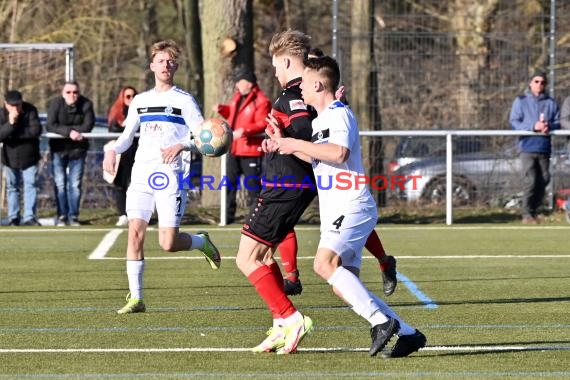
290 42
169 46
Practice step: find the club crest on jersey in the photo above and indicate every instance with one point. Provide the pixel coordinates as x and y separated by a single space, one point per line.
297 104
168 110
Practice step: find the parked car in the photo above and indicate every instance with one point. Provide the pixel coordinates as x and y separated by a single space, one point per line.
96 192
480 174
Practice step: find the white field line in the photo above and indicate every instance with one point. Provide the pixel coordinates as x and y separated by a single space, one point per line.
301 349
106 244
368 257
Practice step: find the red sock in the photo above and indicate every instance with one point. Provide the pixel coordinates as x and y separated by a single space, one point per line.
277 273
288 252
374 245
270 290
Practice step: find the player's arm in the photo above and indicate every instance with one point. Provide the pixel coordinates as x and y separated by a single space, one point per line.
307 150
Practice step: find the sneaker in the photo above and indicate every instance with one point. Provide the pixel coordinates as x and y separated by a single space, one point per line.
210 251
32 222
123 221
74 222
294 334
407 344
381 335
134 305
292 288
274 341
389 276
14 222
61 221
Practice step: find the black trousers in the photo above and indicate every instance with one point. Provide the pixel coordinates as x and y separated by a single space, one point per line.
536 176
250 170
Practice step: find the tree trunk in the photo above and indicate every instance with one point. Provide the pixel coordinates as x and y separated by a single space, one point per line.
470 22
363 96
222 20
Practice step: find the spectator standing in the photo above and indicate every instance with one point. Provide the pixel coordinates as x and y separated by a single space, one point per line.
20 129
69 115
535 111
246 113
116 120
565 124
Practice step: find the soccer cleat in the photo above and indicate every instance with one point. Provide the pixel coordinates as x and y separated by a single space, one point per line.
407 344
381 335
294 334
389 276
274 341
134 305
292 288
210 251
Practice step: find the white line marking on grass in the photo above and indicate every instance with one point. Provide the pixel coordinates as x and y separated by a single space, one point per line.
105 245
301 349
370 257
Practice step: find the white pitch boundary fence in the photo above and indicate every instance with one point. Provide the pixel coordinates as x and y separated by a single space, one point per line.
448 134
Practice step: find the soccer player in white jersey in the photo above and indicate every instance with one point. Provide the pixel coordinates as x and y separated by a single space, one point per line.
347 215
164 116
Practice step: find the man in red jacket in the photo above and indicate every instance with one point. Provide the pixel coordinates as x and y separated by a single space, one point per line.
245 113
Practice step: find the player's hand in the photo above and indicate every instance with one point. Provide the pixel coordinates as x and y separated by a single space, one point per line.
273 133
286 145
169 154
339 93
110 161
269 145
273 124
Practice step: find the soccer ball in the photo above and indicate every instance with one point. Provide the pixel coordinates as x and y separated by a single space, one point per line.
213 137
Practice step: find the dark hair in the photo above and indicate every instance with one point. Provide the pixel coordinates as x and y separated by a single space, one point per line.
316 53
328 70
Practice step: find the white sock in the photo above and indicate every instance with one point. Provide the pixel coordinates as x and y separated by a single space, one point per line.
135 270
295 317
354 292
197 242
278 322
405 329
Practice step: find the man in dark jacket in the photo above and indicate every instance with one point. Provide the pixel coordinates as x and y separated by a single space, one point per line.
20 129
69 115
535 111
246 113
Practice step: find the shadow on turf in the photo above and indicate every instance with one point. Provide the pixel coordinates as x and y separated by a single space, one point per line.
502 351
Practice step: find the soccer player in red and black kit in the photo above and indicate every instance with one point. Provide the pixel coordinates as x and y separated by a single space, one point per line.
284 196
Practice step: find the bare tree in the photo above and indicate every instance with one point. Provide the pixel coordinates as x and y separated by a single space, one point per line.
227 42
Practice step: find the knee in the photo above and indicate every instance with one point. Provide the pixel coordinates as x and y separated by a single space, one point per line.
321 268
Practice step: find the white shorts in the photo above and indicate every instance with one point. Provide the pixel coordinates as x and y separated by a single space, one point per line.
156 186
346 234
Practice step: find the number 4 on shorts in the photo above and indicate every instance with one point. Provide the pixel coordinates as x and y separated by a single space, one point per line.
338 222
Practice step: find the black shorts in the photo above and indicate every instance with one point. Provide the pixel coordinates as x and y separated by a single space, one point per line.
275 213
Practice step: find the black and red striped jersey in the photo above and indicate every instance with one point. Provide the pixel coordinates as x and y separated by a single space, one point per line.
295 117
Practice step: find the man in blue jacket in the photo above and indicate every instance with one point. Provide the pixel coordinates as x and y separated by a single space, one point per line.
535 111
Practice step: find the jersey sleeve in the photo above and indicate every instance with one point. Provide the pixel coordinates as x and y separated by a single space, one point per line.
132 123
339 128
193 118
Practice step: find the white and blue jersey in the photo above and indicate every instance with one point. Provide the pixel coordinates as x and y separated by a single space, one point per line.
163 119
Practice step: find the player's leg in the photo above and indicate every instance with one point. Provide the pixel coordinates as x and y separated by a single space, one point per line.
139 206
170 206
387 263
288 249
266 225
